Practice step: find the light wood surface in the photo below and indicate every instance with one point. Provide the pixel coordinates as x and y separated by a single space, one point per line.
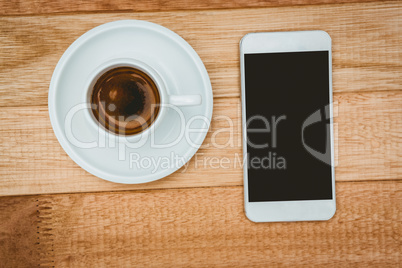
195 218
366 51
369 121
368 129
201 227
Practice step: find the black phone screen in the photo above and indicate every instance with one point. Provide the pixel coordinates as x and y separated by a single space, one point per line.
288 126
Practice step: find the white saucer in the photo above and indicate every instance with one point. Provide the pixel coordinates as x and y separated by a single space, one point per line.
184 73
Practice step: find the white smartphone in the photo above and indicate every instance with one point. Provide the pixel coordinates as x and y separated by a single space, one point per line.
286 85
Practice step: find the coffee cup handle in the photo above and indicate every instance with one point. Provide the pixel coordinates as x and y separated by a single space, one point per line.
185 100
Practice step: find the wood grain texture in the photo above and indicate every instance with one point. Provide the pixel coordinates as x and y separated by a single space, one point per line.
206 227
19 232
200 227
368 142
366 44
20 7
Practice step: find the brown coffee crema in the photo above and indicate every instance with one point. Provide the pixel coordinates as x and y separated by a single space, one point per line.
125 100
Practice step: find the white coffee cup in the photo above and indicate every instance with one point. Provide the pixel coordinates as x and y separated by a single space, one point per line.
166 98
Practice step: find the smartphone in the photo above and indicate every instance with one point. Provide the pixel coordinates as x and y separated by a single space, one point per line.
286 89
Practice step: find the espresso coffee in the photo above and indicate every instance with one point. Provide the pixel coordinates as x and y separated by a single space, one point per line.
125 100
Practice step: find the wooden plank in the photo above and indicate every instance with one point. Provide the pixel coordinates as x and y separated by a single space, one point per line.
369 127
369 150
18 232
204 227
366 44
19 7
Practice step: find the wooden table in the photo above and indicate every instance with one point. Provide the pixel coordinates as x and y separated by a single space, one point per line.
53 213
